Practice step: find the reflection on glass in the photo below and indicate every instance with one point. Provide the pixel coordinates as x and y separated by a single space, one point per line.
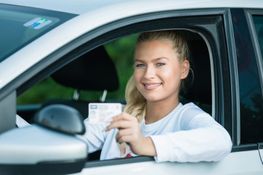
21 25
251 100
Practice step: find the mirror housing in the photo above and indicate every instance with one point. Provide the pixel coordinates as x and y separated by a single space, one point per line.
48 147
61 118
36 150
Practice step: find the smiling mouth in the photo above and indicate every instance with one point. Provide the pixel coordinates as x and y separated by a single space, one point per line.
151 86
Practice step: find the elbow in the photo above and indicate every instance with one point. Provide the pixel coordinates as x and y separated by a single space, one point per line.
228 143
225 145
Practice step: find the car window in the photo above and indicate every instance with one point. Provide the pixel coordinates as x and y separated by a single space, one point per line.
250 93
121 53
51 90
20 25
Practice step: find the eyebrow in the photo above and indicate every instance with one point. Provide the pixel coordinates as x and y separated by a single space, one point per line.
155 59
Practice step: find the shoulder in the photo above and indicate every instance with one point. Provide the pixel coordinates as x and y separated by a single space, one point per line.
191 109
191 114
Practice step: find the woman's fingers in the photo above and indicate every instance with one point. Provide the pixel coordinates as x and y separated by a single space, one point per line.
126 138
118 124
129 129
123 133
124 116
121 121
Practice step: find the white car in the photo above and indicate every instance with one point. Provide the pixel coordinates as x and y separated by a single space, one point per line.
46 42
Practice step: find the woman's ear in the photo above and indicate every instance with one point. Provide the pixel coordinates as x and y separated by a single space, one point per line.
185 67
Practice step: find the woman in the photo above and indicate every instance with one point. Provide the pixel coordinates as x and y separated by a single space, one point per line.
155 123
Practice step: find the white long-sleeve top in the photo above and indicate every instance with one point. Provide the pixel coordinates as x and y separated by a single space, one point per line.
186 134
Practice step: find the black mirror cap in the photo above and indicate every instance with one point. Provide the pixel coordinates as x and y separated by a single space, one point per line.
61 118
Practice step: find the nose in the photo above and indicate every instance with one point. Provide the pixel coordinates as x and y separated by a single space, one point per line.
149 72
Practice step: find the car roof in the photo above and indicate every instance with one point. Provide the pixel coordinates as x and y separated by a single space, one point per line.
83 6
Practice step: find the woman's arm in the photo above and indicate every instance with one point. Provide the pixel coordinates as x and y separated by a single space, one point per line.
203 140
94 136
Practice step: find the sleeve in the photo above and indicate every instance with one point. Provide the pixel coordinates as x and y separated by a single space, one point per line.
94 136
202 139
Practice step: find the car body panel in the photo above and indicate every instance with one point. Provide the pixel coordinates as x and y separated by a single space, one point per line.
82 6
224 167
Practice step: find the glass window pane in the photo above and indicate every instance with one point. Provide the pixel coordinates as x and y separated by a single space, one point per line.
251 100
258 21
20 25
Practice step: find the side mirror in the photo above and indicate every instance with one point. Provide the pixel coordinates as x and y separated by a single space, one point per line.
61 118
37 149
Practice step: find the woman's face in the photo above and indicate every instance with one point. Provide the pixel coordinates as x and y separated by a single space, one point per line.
158 71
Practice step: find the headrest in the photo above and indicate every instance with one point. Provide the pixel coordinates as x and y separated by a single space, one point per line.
94 71
200 90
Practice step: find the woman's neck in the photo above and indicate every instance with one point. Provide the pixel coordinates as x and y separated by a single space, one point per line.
157 110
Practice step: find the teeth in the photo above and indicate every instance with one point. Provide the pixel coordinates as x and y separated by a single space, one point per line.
152 85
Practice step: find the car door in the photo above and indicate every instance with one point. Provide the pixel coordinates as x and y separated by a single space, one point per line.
231 50
219 31
249 63
246 80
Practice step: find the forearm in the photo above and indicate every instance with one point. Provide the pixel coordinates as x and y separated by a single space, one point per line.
93 136
204 144
144 147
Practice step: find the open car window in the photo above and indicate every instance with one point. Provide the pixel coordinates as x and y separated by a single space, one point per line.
108 68
101 74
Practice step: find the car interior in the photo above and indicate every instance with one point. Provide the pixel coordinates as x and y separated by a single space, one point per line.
96 63
87 73
96 71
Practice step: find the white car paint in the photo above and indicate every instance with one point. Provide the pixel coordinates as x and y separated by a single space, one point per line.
84 6
224 167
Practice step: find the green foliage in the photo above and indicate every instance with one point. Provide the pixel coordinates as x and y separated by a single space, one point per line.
120 50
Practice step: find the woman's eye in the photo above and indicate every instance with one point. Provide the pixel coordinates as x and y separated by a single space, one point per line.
139 65
160 64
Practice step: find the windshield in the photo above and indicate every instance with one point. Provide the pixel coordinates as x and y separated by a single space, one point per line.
21 25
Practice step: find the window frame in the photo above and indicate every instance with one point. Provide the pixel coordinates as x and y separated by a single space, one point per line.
252 29
255 42
234 63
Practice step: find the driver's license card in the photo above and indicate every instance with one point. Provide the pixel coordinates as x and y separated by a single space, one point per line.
101 113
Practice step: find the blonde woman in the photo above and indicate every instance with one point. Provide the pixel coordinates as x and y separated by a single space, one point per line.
155 123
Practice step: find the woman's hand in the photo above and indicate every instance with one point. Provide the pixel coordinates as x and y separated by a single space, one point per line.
129 132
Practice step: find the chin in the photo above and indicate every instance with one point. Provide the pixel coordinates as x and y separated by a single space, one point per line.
152 99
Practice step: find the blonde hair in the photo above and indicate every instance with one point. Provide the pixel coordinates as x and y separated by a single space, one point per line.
136 103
